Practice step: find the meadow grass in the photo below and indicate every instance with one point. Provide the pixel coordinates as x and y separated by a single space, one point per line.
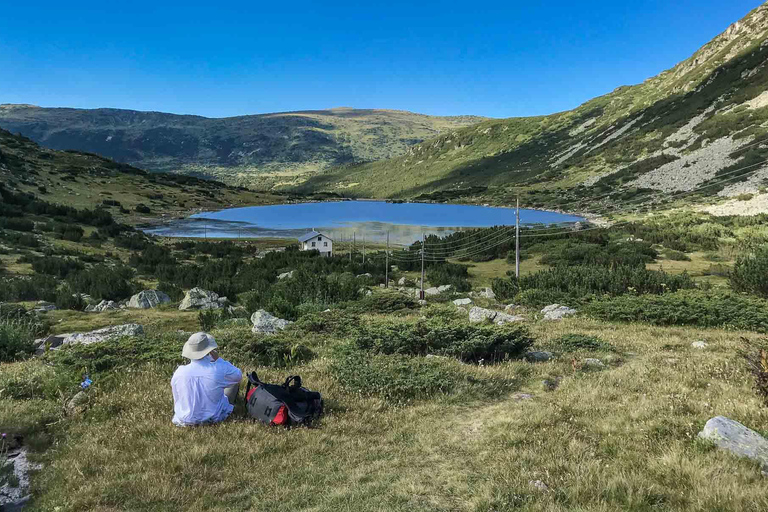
623 438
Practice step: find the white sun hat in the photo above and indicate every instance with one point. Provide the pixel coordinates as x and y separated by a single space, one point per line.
198 345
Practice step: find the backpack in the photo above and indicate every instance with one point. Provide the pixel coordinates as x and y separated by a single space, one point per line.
287 404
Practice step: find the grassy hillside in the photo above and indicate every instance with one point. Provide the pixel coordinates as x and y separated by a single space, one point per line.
683 129
261 150
84 180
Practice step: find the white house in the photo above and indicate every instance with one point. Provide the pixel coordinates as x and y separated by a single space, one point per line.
314 241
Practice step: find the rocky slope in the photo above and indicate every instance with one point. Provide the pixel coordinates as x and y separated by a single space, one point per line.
694 125
261 149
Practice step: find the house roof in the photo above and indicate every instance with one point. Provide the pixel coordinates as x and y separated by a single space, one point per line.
311 235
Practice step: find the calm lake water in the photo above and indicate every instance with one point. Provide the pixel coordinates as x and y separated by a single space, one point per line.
405 222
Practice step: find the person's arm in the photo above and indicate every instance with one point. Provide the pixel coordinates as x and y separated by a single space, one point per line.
228 372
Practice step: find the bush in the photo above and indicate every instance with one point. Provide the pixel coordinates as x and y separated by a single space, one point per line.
278 350
142 208
449 274
66 298
208 318
389 302
35 287
467 342
16 339
16 224
750 273
674 255
104 282
504 288
336 321
576 342
395 378
756 357
697 308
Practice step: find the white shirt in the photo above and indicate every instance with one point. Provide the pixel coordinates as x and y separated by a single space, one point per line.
198 391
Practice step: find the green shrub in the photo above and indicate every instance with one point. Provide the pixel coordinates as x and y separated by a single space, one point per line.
674 255
689 307
750 273
388 302
467 342
576 342
756 357
35 287
279 350
504 288
396 378
208 318
449 274
16 339
336 321
104 282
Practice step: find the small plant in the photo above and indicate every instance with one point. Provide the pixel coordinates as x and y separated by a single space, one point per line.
756 357
575 342
207 318
5 469
16 339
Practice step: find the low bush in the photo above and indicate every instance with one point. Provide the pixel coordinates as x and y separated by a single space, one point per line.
16 339
468 342
383 303
756 357
337 321
689 307
575 342
449 274
35 287
674 255
16 224
278 350
750 273
504 288
104 282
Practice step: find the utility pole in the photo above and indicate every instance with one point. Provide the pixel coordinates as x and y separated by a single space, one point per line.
421 293
517 240
386 266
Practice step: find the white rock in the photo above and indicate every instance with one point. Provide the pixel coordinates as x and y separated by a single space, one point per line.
99 335
197 298
593 364
265 323
422 302
504 318
462 302
557 312
539 485
444 288
21 469
478 314
734 437
432 291
286 275
102 306
148 299
487 293
699 344
367 274
401 281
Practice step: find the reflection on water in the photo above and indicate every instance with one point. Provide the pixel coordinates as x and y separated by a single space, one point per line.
344 220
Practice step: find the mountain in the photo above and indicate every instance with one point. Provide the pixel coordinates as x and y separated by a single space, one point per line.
84 180
693 125
264 150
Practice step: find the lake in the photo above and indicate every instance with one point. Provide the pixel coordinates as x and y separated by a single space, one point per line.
405 222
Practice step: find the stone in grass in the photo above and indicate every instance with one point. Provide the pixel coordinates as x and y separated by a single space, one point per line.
432 291
264 323
197 298
538 356
462 302
100 335
734 437
148 299
699 344
591 363
522 396
557 312
539 485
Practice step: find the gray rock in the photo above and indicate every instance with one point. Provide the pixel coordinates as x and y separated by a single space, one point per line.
77 402
510 307
539 485
43 306
237 311
699 344
286 275
504 318
264 323
382 285
522 396
11 496
462 302
367 274
99 335
432 291
538 356
478 314
51 341
148 299
444 288
401 281
734 437
593 364
487 293
422 302
557 312
197 298
104 305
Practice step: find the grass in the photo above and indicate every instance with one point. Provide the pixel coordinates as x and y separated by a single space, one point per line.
163 318
619 439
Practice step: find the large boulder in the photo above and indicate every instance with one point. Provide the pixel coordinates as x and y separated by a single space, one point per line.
264 323
734 437
197 298
99 335
104 305
148 299
557 312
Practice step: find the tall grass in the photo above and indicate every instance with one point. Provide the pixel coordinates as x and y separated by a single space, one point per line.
16 339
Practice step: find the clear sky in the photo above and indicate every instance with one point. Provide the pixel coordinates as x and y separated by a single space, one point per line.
493 58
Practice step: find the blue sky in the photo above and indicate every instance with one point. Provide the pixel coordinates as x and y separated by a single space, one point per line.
498 59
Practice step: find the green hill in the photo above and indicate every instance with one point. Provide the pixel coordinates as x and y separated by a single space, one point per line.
262 150
678 131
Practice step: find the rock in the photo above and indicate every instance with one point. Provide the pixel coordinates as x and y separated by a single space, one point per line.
99 335
539 485
367 274
487 293
462 302
503 318
537 356
16 496
286 275
104 305
43 306
510 307
368 292
734 437
197 298
77 402
16 506
237 312
522 396
699 344
51 341
432 291
478 314
401 281
148 299
557 312
591 363
90 309
444 288
265 323
382 285
422 302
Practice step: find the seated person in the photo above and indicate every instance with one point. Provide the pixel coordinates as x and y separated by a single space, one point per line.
204 390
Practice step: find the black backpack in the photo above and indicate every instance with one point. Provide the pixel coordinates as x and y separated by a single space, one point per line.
287 404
